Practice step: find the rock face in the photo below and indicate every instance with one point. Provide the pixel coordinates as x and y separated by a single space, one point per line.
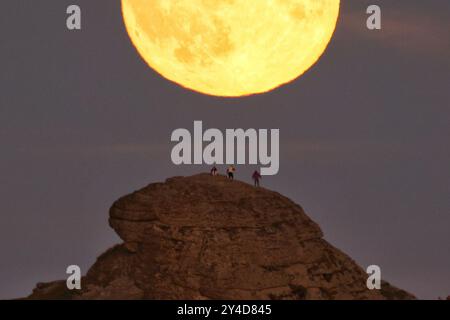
205 237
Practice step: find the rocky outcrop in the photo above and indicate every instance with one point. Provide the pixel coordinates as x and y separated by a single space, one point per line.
205 237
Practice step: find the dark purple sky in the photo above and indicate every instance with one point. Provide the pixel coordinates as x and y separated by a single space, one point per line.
364 138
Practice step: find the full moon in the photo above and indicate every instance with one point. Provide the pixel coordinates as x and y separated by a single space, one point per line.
230 48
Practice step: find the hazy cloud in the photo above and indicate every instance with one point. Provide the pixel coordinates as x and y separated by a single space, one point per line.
411 32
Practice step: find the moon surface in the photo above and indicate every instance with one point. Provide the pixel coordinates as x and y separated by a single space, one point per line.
230 48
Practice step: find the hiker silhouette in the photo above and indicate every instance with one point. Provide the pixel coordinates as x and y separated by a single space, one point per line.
256 177
230 172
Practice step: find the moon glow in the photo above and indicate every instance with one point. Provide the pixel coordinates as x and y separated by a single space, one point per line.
230 48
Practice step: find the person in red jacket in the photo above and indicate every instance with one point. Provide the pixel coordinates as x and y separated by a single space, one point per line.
256 176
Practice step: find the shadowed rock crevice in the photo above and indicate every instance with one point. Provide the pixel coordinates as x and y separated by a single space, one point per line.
205 237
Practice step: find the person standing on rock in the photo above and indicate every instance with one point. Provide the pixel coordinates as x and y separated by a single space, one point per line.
214 171
230 172
256 176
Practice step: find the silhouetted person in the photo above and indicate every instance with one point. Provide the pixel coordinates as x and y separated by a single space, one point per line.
256 176
230 172
214 171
